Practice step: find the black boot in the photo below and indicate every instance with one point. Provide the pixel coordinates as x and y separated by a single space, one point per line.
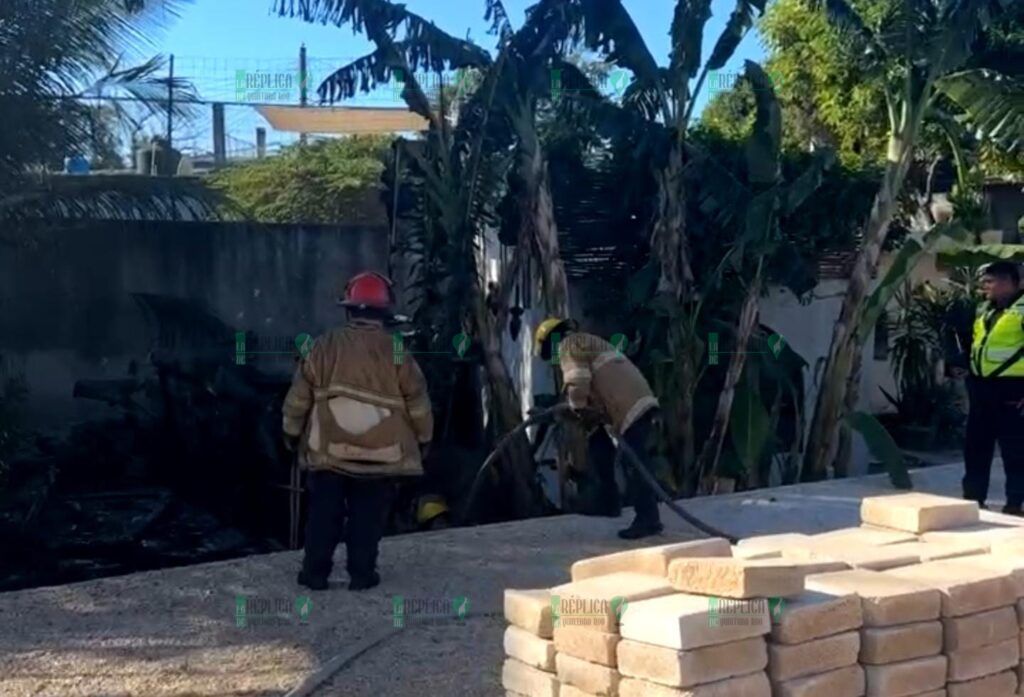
1013 509
638 529
312 583
362 583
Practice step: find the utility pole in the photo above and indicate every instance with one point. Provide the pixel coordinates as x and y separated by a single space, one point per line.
303 87
261 143
219 151
170 107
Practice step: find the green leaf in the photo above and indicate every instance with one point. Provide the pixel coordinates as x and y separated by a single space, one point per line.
766 139
993 104
749 425
882 446
739 23
903 264
978 255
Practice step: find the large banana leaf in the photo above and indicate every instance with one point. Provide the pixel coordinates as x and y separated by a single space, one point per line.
749 426
977 255
766 139
739 23
993 104
904 262
882 446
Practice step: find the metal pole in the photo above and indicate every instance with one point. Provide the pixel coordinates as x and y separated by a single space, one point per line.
261 143
303 86
219 149
394 208
170 106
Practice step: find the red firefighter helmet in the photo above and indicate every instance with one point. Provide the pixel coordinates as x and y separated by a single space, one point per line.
369 290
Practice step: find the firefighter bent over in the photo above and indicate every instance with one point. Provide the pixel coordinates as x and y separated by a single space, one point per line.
358 417
597 376
995 387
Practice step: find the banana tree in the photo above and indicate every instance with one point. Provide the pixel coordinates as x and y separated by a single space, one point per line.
916 49
663 97
768 198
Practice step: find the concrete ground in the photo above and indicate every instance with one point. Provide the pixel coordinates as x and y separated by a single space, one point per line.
175 631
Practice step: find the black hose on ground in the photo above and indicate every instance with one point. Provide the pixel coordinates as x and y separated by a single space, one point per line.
623 447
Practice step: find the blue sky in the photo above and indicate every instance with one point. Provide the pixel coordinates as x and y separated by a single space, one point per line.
214 40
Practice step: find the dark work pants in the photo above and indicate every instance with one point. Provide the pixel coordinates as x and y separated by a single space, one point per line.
344 508
995 416
641 438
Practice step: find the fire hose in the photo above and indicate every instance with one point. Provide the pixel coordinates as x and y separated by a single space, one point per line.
622 448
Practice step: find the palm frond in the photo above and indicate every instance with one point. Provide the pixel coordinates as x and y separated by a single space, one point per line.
993 105
765 141
740 22
853 29
498 17
687 36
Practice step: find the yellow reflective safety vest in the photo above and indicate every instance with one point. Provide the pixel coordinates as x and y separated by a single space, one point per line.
997 349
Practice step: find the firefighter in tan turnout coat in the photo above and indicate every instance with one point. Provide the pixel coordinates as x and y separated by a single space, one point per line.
358 417
597 376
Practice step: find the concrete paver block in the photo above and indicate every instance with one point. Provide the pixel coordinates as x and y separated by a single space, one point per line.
768 546
736 578
965 587
885 599
968 664
857 556
818 565
901 642
589 677
811 615
789 661
694 667
917 512
753 685
597 603
980 629
1020 613
934 551
1012 564
529 648
649 560
864 535
999 685
596 647
529 610
684 621
842 682
1007 545
572 691
906 677
983 534
520 678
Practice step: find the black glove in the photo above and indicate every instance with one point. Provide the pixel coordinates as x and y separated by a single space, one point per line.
291 443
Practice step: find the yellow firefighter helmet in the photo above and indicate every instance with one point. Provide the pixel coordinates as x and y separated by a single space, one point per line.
430 507
548 327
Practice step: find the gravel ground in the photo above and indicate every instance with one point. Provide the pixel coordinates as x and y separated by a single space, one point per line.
175 632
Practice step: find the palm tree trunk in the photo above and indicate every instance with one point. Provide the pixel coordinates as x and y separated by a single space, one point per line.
712 450
832 396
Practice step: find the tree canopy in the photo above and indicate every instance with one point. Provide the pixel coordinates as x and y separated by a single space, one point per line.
324 181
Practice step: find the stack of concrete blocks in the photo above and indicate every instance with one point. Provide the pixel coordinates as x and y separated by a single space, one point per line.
978 594
900 647
562 641
690 644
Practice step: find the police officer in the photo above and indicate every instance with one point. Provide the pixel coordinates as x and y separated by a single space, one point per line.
598 377
358 417
995 386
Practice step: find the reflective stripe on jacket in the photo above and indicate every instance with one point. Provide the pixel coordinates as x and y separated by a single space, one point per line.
997 348
360 409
